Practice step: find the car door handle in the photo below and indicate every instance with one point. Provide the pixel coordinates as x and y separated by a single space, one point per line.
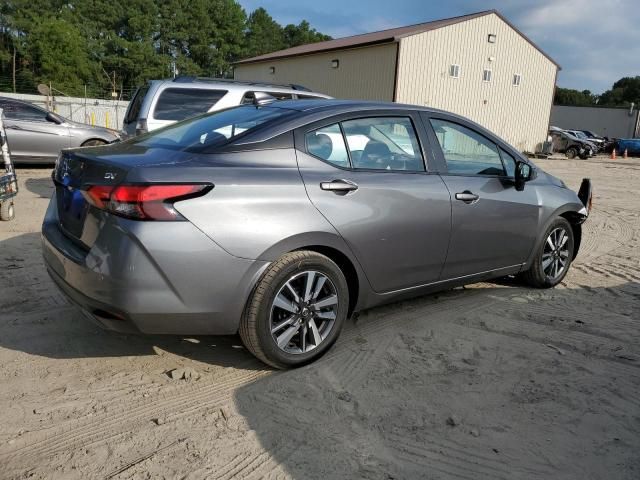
467 197
339 186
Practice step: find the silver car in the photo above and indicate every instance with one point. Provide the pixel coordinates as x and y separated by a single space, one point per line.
35 135
160 103
280 220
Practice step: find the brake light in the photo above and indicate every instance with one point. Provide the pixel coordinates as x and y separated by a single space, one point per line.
143 202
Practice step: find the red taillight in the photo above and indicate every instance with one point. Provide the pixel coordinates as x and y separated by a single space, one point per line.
143 202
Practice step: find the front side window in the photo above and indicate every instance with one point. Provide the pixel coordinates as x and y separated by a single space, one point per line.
20 111
466 151
327 143
181 103
509 163
202 133
383 143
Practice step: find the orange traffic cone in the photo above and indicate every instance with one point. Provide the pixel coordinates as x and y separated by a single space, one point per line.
613 154
625 153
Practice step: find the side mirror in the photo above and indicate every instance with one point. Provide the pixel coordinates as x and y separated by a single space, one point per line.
52 117
524 173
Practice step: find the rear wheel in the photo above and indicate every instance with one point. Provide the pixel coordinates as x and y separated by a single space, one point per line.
554 256
571 153
94 143
7 211
296 311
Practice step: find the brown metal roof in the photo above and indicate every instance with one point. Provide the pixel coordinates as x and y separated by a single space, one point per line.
375 38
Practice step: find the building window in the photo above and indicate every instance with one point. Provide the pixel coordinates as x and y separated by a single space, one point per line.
517 78
486 75
335 63
454 71
491 38
272 70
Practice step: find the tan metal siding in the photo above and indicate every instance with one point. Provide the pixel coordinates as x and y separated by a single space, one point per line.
366 73
520 114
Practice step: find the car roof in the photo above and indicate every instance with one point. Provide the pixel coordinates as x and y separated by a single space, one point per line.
231 84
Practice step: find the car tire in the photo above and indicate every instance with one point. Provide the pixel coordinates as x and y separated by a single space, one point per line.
7 211
571 153
544 271
585 156
94 143
311 278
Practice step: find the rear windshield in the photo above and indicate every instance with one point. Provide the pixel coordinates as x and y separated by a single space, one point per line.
181 103
212 129
136 104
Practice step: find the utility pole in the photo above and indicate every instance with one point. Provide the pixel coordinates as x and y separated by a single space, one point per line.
14 69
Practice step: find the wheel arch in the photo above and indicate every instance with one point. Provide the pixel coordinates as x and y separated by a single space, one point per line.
348 269
334 247
570 213
87 140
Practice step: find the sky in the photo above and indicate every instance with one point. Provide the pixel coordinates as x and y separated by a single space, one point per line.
596 42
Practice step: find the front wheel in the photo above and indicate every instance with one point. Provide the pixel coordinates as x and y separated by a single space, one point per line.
296 311
571 153
554 256
7 211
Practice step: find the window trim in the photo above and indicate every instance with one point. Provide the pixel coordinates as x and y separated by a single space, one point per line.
519 77
484 71
411 115
456 67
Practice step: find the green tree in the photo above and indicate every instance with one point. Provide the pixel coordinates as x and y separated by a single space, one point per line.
568 96
302 33
623 92
262 34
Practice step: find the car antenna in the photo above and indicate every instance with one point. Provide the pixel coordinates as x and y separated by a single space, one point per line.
262 98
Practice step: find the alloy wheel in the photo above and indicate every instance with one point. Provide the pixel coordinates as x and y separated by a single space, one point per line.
555 256
303 312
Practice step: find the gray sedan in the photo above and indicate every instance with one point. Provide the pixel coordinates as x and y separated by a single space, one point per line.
35 135
279 220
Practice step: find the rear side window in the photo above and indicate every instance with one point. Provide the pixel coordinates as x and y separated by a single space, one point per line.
136 104
203 133
466 151
181 103
327 143
309 97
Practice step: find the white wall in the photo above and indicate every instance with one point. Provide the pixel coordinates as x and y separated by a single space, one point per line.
103 113
520 115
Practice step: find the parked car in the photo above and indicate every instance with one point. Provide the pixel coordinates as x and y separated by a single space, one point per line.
571 146
35 135
597 143
277 221
162 102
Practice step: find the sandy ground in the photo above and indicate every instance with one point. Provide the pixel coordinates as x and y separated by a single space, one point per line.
493 381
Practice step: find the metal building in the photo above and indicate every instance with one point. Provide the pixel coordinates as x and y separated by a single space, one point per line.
477 65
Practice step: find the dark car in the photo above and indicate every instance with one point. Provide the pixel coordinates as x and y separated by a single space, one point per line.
572 146
280 220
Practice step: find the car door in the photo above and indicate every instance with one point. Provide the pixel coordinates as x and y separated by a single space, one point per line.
367 176
494 226
30 134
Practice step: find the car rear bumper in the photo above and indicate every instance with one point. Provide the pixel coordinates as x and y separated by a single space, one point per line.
151 277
